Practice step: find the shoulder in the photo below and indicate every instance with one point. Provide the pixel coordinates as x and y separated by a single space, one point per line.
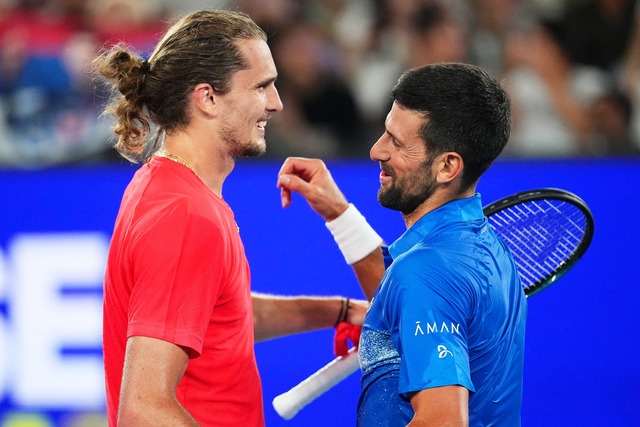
421 261
177 209
431 273
169 191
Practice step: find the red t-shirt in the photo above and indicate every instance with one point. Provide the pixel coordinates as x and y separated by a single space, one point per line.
177 271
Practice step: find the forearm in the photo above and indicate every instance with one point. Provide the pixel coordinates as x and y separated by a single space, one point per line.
441 406
356 239
361 247
276 316
369 272
152 370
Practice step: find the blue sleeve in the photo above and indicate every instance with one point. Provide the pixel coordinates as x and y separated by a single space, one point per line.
429 320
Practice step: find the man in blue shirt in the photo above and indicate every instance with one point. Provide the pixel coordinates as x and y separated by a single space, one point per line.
443 341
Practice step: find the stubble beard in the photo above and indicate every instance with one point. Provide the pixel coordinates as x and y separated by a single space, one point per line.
250 149
406 195
239 148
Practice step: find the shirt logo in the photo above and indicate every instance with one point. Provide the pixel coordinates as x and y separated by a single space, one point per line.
435 328
443 352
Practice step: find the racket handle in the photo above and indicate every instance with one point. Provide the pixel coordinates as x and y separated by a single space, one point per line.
288 404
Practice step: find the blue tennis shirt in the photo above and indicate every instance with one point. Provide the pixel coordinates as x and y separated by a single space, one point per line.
450 310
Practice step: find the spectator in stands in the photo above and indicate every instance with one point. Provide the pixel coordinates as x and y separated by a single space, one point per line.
630 79
136 23
551 96
338 61
611 115
321 117
491 20
436 35
433 32
50 113
596 32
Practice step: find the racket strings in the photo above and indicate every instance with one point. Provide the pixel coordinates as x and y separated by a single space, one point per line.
542 235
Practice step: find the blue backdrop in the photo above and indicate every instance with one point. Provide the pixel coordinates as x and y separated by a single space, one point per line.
581 367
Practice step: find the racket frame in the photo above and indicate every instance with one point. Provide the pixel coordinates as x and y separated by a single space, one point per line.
557 195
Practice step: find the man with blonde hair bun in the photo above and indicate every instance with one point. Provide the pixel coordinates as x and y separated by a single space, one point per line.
179 317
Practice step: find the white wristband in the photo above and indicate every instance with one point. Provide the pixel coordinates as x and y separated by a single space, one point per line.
353 234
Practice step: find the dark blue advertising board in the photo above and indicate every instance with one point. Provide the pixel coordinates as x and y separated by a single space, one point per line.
55 224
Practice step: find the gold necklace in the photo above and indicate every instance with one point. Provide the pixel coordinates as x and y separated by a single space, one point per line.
178 160
184 163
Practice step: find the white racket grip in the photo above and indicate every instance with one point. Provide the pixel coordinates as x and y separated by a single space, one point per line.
288 404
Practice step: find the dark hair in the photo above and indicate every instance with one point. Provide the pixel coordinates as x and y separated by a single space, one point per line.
466 110
199 48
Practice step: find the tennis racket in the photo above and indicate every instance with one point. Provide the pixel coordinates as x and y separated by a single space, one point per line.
547 231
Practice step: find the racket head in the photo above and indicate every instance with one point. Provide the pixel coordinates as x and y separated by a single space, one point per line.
547 230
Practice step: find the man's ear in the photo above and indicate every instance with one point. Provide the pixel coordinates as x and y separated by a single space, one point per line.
204 98
449 166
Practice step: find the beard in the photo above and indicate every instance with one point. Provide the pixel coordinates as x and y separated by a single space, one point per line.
243 148
407 193
249 149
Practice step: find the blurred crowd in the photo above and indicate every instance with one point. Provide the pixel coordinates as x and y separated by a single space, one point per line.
572 68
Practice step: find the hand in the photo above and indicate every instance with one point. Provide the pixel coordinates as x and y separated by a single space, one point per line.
345 332
351 329
357 311
313 181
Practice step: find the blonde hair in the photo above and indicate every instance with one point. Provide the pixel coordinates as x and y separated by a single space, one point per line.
199 48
